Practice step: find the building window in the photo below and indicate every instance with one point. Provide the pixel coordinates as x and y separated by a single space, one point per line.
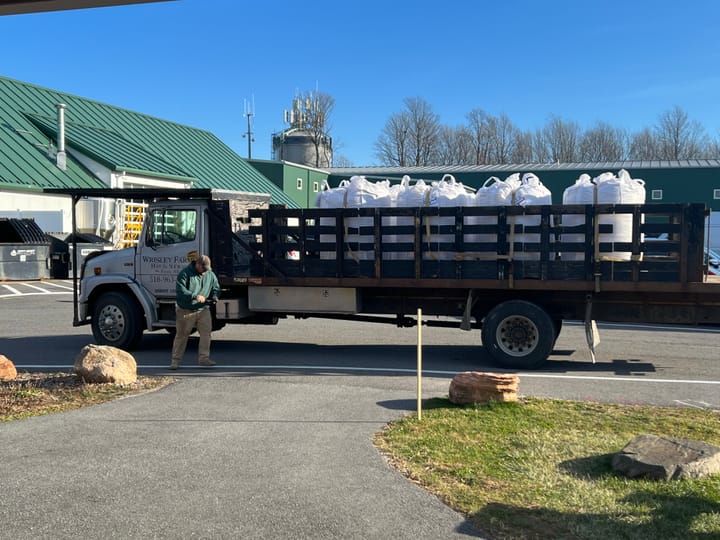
656 195
716 193
299 183
316 187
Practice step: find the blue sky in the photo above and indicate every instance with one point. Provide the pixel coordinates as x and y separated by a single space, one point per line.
196 61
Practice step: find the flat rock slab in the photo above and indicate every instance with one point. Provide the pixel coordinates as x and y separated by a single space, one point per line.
664 458
481 387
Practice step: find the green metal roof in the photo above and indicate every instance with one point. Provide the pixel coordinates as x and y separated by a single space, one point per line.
109 148
119 139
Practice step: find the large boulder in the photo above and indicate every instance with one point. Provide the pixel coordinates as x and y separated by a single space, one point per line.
105 364
480 387
665 458
7 369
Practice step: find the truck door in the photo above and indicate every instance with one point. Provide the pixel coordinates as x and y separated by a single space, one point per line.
172 237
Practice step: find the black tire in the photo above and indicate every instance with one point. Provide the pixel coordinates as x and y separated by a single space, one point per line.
117 321
518 334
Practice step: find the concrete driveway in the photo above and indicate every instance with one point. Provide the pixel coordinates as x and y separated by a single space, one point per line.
222 455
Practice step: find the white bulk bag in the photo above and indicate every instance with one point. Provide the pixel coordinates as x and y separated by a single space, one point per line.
445 193
412 195
362 193
583 191
530 193
620 189
494 192
513 181
330 198
409 196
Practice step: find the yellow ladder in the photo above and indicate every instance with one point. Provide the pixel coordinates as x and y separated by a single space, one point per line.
133 215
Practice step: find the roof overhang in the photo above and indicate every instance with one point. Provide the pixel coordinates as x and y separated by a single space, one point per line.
16 7
150 194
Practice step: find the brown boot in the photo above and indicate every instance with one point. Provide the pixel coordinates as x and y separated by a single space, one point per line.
207 363
175 364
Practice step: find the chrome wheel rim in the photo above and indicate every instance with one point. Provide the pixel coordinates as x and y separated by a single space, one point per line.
517 336
111 322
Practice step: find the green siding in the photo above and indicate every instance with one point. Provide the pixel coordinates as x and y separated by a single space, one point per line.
286 175
315 182
292 177
115 137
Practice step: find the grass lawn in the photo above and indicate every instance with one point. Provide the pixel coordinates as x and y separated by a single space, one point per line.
33 394
541 468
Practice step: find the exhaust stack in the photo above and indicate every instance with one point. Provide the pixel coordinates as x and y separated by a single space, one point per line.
61 157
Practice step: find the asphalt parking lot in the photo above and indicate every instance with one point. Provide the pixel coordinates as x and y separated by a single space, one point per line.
222 456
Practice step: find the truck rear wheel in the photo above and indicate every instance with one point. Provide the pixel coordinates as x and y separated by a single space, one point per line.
518 334
117 321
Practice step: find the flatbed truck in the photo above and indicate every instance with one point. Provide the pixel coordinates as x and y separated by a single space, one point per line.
512 273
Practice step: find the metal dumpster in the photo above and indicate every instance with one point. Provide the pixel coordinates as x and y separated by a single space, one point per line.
86 244
59 256
24 250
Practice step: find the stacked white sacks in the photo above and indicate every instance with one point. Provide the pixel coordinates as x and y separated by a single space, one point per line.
356 193
408 196
605 188
494 192
361 193
330 198
445 193
530 193
620 189
581 192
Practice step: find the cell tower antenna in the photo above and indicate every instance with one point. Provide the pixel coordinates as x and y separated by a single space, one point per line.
249 112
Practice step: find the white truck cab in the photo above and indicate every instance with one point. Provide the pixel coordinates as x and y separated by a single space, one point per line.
125 292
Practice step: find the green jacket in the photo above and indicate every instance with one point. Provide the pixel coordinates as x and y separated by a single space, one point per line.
190 284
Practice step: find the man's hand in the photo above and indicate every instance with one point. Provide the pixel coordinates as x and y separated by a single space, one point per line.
200 298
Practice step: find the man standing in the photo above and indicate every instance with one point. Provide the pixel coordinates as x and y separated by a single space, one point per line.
195 287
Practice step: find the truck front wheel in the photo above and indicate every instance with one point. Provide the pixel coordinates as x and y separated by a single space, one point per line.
518 334
117 321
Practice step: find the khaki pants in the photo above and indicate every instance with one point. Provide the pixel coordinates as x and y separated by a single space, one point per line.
185 321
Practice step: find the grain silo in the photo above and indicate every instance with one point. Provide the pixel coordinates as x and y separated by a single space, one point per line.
305 142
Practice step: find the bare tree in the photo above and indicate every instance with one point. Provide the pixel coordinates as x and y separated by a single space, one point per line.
713 148
643 145
316 109
502 138
424 130
392 146
541 147
411 136
454 146
561 138
479 123
679 137
446 145
522 151
415 137
602 143
464 151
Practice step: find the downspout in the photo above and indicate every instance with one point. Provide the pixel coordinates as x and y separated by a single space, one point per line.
61 157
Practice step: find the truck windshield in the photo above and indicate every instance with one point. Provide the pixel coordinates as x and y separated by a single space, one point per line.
171 226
